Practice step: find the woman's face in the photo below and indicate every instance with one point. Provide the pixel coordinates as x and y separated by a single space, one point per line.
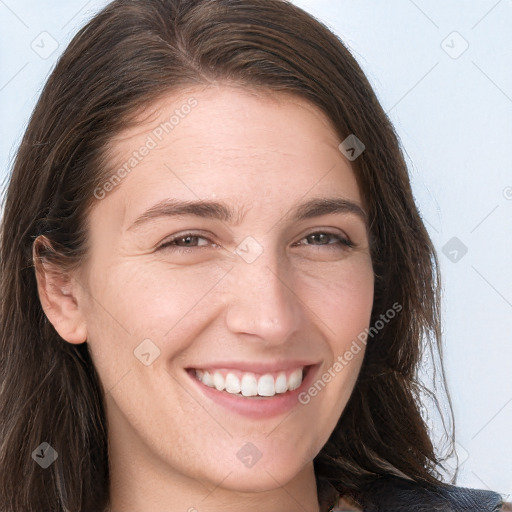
235 243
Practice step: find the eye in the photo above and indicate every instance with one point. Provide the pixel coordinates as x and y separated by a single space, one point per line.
184 240
323 238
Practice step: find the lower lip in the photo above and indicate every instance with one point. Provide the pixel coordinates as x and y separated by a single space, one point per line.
257 407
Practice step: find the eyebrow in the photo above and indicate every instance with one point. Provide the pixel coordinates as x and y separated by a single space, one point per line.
221 211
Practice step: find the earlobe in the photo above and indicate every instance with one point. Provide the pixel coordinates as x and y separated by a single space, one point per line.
57 293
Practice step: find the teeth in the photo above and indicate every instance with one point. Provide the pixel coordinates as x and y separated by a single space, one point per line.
281 383
250 384
207 379
266 386
232 383
218 381
295 379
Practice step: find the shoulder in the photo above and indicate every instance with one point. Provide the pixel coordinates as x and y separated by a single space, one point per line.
391 493
398 494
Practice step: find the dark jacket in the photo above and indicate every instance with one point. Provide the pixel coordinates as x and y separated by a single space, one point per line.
394 494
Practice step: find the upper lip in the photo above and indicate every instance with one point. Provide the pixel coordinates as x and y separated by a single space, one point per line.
256 367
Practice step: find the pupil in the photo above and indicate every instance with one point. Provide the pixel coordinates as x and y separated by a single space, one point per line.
321 237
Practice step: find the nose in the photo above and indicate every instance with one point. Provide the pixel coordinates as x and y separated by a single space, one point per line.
262 302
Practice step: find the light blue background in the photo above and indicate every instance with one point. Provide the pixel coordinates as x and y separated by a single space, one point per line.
453 116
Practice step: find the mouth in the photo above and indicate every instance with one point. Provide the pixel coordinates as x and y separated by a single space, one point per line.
250 384
251 394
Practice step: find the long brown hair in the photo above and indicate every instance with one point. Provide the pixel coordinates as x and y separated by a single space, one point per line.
128 56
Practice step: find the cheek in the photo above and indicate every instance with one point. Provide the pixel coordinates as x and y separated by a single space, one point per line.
341 296
341 301
131 302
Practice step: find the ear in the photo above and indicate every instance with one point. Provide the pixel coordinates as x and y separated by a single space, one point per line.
57 293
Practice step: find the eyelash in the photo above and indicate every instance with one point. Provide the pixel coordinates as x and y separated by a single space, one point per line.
170 244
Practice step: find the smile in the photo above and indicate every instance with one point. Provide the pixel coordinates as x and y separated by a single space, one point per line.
250 384
252 394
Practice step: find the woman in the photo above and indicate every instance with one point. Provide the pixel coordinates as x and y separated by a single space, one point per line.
216 285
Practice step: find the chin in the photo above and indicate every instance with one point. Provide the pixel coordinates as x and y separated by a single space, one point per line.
263 476
258 481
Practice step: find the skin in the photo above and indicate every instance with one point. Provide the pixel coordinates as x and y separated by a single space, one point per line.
171 447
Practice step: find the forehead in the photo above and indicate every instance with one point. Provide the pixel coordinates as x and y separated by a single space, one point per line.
243 120
229 142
